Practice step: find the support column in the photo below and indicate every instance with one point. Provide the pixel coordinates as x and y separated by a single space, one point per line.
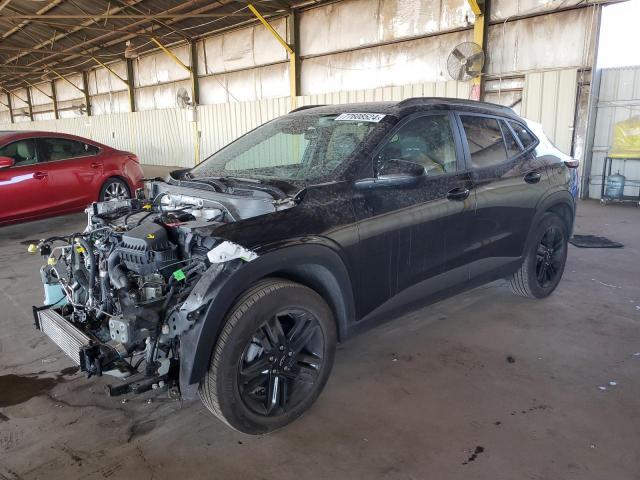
54 98
29 103
193 61
10 105
482 11
131 85
85 88
294 58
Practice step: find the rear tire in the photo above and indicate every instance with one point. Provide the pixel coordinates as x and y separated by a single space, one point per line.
272 358
114 189
544 261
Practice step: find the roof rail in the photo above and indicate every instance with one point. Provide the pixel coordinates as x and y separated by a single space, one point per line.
461 101
306 107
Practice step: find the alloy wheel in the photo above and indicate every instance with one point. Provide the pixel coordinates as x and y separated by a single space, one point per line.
549 256
115 191
281 363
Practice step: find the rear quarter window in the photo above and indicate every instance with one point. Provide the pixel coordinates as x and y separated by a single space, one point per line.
527 139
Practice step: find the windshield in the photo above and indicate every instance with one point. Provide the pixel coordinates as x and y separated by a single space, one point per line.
297 147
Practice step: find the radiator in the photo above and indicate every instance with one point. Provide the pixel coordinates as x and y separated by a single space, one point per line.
63 333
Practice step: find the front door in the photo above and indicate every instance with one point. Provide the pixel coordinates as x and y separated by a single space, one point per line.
24 189
416 231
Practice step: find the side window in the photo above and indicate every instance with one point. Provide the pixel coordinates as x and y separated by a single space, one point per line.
427 141
526 137
513 149
91 149
24 152
62 148
485 141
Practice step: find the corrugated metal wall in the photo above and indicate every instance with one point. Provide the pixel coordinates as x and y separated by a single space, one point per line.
618 100
549 98
167 137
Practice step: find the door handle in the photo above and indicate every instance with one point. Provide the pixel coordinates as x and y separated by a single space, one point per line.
532 177
40 175
459 193
95 165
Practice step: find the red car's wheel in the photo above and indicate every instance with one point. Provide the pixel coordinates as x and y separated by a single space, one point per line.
114 189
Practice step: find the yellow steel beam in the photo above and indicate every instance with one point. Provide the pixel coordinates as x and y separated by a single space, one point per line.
287 47
479 26
39 89
170 54
475 8
66 80
268 26
111 71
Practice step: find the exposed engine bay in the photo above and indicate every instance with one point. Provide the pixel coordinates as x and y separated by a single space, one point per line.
114 292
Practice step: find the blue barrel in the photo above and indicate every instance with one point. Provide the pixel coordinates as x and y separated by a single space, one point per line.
614 188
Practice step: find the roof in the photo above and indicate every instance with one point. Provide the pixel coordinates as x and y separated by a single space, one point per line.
410 105
64 35
18 134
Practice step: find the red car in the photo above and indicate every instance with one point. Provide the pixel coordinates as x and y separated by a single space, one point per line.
43 174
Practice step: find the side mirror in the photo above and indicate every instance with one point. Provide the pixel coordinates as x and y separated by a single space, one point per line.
394 173
7 162
400 168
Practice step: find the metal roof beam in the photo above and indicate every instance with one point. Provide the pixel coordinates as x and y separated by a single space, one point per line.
125 16
132 35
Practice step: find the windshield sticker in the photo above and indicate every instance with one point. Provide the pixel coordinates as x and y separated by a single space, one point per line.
360 117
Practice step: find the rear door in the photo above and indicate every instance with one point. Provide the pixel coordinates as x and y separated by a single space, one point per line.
74 169
411 233
24 188
509 181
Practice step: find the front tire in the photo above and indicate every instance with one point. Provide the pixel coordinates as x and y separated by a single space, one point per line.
545 259
272 358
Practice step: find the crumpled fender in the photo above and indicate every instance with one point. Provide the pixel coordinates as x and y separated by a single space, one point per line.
219 287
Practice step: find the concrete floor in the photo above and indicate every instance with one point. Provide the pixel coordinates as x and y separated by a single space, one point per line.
412 399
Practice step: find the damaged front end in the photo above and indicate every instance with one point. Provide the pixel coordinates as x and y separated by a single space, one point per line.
119 296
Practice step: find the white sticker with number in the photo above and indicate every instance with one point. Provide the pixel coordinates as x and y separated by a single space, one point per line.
360 117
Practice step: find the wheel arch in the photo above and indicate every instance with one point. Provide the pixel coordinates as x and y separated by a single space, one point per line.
560 203
316 266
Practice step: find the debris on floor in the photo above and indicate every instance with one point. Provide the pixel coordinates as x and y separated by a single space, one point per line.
511 359
593 241
479 449
610 285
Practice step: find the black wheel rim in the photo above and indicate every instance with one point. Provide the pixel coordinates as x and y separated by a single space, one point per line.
550 256
281 363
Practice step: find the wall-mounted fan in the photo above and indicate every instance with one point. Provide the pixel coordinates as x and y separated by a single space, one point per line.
80 110
183 98
465 61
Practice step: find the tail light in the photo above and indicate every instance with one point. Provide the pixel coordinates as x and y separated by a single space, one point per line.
573 163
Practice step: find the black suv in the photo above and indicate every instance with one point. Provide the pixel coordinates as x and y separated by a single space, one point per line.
236 278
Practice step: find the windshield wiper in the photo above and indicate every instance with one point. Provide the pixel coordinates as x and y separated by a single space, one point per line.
256 184
227 185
